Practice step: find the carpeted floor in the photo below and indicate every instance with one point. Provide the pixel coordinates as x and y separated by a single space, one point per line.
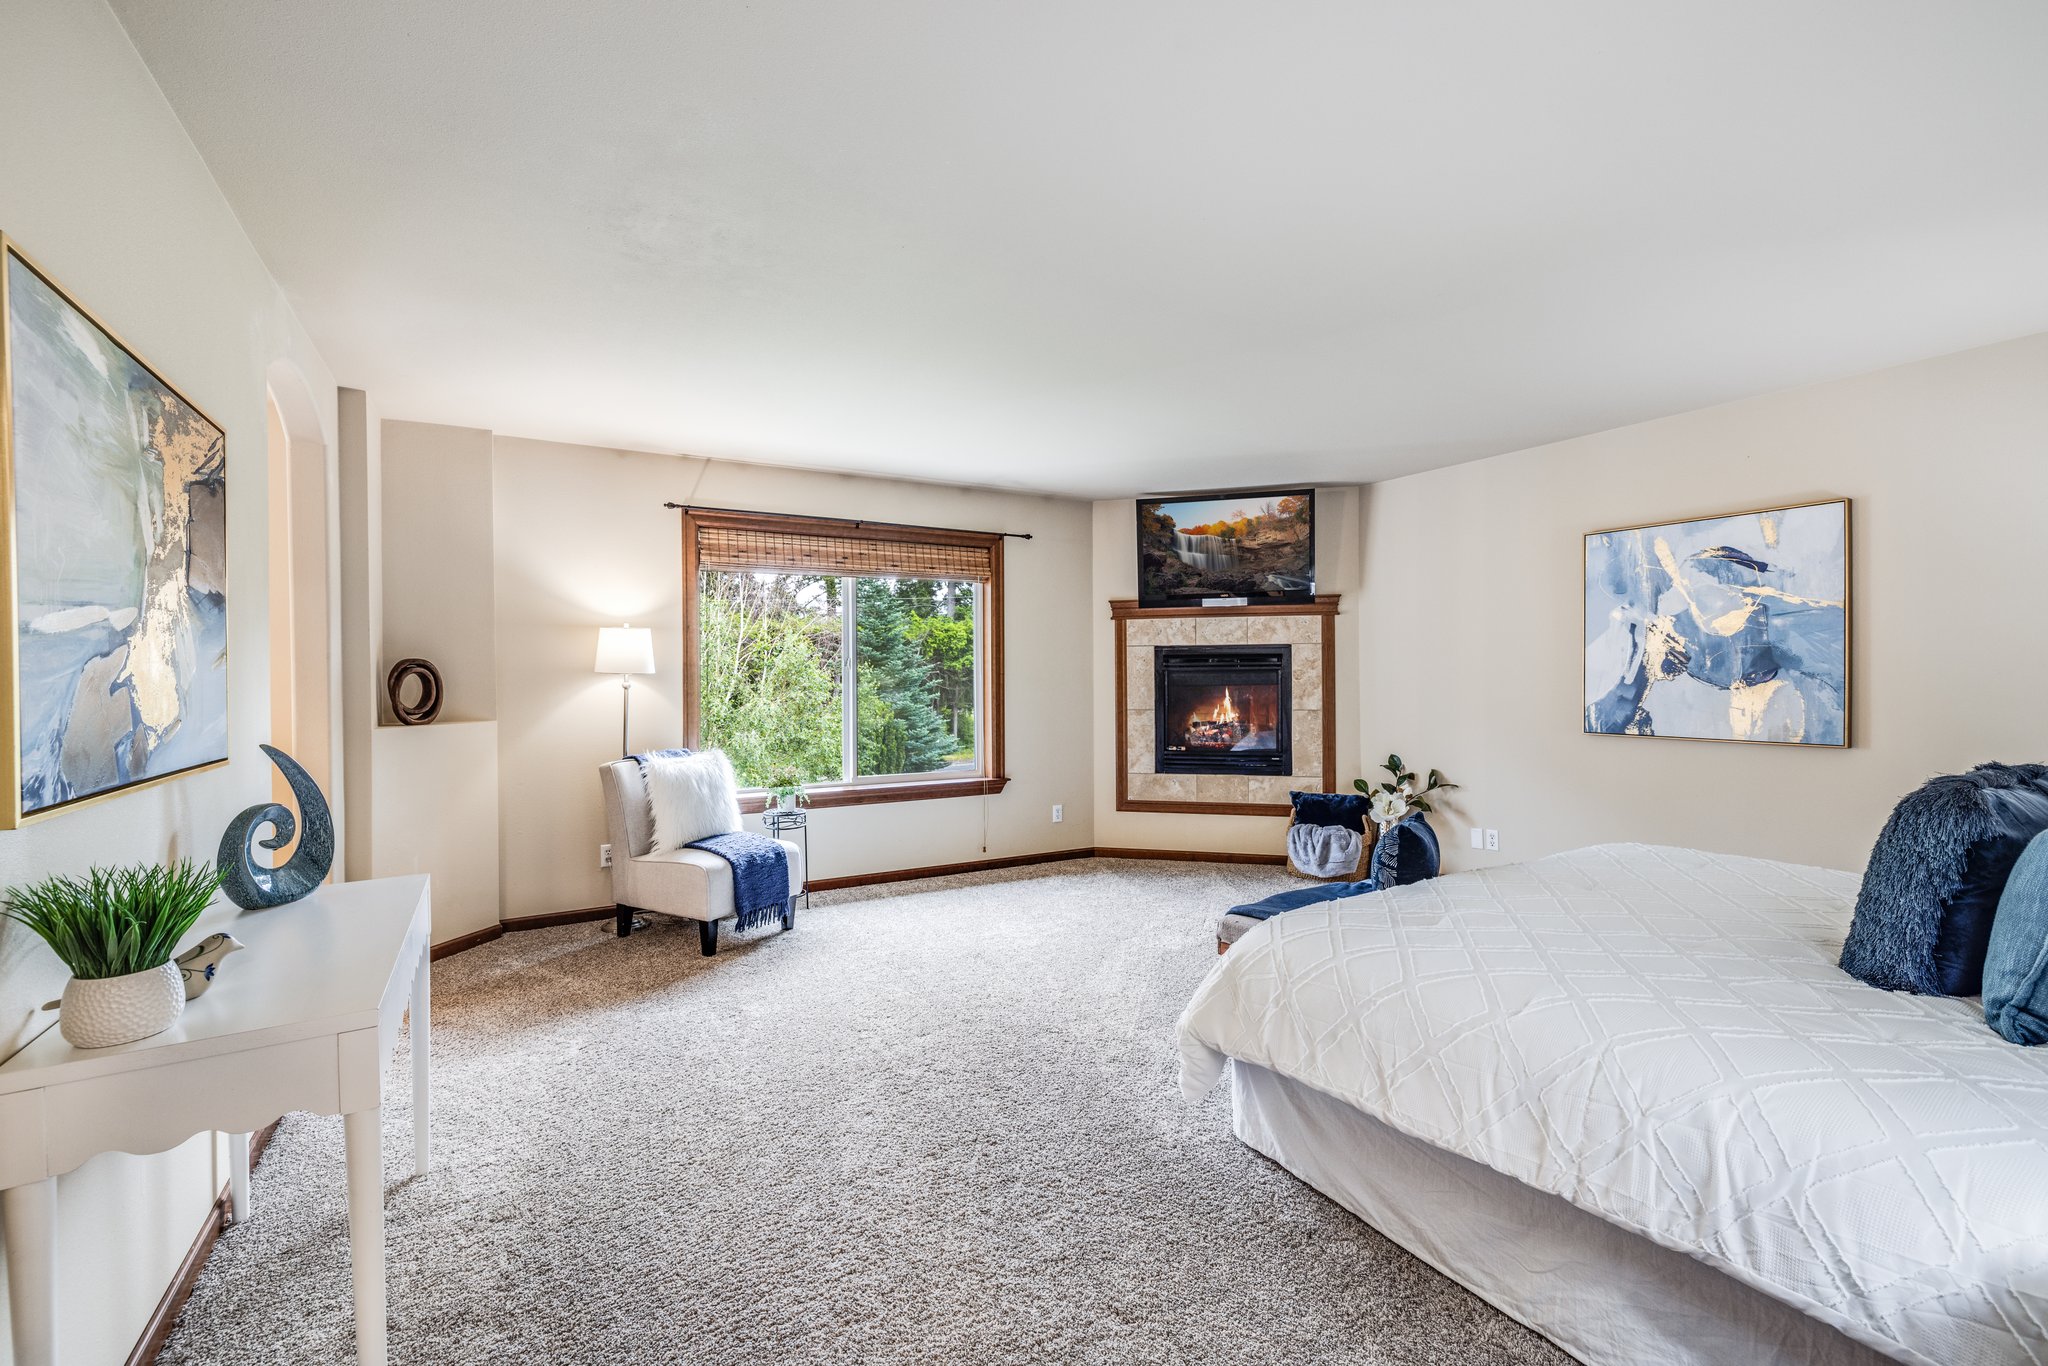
937 1123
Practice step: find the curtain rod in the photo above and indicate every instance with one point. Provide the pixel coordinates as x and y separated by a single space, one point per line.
846 521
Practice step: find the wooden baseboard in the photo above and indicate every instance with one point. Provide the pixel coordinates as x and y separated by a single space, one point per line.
833 884
554 918
1193 856
468 941
159 1325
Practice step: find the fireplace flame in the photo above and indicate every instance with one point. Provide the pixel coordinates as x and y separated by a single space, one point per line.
1225 711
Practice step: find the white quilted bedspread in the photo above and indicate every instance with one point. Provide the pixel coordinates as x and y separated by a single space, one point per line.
1661 1036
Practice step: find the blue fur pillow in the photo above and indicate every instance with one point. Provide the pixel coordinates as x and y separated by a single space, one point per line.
1930 895
1330 808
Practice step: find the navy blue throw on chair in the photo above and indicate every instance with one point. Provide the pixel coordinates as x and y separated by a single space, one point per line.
1924 914
760 875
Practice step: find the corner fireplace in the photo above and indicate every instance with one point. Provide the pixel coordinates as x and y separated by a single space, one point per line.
1224 708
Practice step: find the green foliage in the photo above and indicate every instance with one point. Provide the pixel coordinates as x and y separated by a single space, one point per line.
770 657
947 644
912 737
1408 784
116 921
769 680
786 788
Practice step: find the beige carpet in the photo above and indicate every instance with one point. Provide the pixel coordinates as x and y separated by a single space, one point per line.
937 1123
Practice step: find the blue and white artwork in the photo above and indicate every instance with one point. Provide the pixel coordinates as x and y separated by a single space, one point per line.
119 524
1728 628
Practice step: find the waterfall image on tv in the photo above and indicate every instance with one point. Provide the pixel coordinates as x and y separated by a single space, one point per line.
1259 544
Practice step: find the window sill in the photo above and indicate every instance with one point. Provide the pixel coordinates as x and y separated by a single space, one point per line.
869 794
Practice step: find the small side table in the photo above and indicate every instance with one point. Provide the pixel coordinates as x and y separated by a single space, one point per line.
793 822
305 1022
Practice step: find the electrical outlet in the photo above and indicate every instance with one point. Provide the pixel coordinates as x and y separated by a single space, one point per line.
1493 841
1478 838
1059 813
604 856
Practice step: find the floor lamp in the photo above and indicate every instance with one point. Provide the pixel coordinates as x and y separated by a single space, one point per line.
625 651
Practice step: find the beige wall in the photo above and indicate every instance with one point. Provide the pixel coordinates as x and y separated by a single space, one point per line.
99 182
436 812
438 576
1471 630
1114 540
583 541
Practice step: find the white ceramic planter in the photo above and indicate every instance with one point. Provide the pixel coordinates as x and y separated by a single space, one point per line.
104 1011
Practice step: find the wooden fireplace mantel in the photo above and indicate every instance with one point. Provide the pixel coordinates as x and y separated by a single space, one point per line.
1322 612
1324 605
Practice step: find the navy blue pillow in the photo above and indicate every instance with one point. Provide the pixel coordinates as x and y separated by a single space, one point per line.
1959 950
1930 895
1330 808
1411 847
2016 966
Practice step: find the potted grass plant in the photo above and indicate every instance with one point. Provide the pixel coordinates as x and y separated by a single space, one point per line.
117 929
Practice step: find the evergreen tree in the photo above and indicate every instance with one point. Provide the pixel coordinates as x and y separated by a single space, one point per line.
902 678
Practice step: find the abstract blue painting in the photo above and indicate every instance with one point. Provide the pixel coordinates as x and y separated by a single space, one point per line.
118 626
1727 628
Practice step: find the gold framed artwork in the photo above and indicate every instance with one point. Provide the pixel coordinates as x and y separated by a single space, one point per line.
1732 627
113 548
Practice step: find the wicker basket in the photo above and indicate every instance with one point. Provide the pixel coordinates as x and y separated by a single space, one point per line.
1358 874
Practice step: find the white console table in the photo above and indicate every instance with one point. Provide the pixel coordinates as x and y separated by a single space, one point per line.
304 1020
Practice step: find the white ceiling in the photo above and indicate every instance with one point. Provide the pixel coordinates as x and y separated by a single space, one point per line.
1099 247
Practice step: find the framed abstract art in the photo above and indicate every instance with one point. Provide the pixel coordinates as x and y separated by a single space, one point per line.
113 524
1722 628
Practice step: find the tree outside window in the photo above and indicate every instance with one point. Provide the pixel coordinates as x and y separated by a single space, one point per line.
779 651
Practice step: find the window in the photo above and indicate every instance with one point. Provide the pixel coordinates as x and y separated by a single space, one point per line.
860 660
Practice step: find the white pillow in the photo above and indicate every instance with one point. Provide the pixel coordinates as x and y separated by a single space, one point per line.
691 796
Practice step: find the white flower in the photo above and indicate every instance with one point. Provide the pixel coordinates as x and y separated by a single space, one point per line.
1388 808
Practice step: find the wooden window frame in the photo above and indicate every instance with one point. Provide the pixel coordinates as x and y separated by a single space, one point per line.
994 776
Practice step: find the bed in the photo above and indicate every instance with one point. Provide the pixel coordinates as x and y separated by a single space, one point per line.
1625 1094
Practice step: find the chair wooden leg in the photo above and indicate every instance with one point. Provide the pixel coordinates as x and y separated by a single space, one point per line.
789 915
707 936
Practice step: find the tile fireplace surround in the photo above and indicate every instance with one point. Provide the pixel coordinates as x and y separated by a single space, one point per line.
1309 627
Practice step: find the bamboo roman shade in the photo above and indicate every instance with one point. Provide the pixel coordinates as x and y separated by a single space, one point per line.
785 545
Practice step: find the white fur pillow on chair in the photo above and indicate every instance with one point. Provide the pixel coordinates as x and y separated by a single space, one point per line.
692 796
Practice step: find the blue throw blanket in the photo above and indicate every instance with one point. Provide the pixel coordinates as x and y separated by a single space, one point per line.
1303 896
760 875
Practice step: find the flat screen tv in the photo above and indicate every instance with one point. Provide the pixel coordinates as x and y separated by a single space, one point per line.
1258 544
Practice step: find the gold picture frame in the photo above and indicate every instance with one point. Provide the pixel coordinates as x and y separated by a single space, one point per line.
141 624
1841 731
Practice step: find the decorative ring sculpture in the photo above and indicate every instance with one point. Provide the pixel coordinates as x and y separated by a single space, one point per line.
429 705
252 886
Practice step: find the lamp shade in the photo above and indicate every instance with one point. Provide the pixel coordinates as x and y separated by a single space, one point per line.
625 650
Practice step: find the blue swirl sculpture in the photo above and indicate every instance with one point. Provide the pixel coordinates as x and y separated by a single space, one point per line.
252 886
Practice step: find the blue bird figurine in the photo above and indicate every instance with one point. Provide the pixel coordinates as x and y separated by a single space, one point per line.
202 960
